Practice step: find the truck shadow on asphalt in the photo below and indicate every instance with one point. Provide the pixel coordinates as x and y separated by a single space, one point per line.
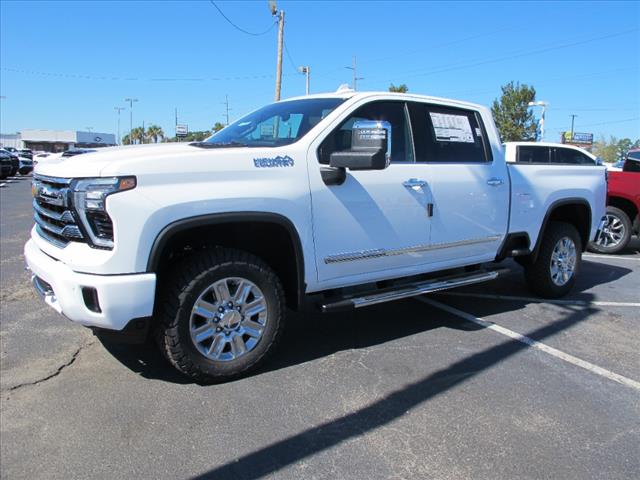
365 328
372 326
276 456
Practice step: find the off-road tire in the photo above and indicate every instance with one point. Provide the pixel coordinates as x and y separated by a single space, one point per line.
538 273
178 293
626 223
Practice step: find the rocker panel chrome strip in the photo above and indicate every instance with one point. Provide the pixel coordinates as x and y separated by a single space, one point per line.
381 252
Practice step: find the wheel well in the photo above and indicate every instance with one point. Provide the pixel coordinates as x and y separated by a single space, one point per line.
577 214
273 242
627 206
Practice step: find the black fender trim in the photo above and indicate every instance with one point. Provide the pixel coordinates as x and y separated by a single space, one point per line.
165 235
547 215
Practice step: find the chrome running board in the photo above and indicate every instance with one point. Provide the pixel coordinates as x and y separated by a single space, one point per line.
411 290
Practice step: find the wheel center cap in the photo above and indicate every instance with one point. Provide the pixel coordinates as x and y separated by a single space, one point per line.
231 319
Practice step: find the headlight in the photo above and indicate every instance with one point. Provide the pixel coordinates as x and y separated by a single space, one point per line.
89 201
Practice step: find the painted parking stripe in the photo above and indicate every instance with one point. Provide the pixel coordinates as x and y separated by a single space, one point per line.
541 300
603 372
612 257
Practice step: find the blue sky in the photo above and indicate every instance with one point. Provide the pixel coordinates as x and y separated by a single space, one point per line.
66 65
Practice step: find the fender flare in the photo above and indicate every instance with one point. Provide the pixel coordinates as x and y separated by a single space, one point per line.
167 233
547 215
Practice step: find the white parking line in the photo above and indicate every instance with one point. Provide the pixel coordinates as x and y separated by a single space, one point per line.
542 300
612 257
603 372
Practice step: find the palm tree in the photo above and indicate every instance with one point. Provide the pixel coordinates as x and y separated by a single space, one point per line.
126 140
154 132
137 135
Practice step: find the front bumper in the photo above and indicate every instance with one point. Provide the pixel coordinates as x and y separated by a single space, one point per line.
120 298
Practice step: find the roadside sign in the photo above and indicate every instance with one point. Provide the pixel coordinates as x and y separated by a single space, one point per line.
578 138
182 130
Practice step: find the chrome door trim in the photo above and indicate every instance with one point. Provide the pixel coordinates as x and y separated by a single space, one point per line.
381 252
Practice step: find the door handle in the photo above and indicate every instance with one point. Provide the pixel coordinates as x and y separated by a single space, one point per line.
495 182
414 182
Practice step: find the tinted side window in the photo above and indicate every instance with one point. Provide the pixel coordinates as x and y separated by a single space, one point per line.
532 154
392 112
454 135
571 157
631 165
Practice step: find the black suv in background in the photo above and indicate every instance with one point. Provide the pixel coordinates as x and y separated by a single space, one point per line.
5 164
15 160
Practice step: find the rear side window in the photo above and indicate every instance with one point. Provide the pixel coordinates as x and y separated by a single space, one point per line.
533 154
569 156
453 135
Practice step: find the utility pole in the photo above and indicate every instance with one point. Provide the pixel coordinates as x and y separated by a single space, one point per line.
280 16
89 129
354 67
226 104
118 109
573 117
176 125
307 72
130 100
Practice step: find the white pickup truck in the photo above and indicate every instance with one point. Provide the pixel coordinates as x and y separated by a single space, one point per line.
337 200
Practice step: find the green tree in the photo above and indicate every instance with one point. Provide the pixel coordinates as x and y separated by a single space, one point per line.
514 119
154 132
217 127
137 135
126 140
614 149
399 89
192 137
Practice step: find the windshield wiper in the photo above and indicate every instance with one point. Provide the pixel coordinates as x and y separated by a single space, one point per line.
218 144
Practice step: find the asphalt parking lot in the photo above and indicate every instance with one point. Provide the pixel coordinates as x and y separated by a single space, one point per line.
480 382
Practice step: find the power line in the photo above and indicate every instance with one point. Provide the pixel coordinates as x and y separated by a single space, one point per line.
294 65
551 47
524 54
81 76
608 123
240 28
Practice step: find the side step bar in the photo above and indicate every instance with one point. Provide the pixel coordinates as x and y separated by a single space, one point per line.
411 290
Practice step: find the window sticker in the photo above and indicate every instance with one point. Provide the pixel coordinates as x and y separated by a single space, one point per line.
451 128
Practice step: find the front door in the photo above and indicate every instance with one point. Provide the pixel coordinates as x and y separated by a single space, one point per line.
376 224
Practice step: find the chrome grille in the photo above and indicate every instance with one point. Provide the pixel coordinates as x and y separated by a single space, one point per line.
54 218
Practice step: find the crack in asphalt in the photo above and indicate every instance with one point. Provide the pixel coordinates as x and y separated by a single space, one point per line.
57 372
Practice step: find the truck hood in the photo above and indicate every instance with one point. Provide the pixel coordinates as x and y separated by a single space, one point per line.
126 160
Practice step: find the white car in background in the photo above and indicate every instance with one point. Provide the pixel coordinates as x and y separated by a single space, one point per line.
548 153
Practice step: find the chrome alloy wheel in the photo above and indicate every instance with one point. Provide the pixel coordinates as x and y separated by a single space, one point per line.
612 233
563 261
228 319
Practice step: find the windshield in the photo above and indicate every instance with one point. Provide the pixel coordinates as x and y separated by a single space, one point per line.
275 125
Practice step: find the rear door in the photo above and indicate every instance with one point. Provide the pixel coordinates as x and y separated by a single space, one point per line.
469 187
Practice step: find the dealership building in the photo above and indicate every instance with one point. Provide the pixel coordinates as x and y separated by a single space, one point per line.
56 140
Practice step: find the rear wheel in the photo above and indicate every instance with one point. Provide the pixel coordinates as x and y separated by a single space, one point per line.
616 233
221 314
554 271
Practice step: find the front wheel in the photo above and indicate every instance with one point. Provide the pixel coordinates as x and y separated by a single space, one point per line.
220 314
615 234
554 271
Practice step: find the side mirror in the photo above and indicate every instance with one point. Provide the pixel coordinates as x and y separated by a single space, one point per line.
370 147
